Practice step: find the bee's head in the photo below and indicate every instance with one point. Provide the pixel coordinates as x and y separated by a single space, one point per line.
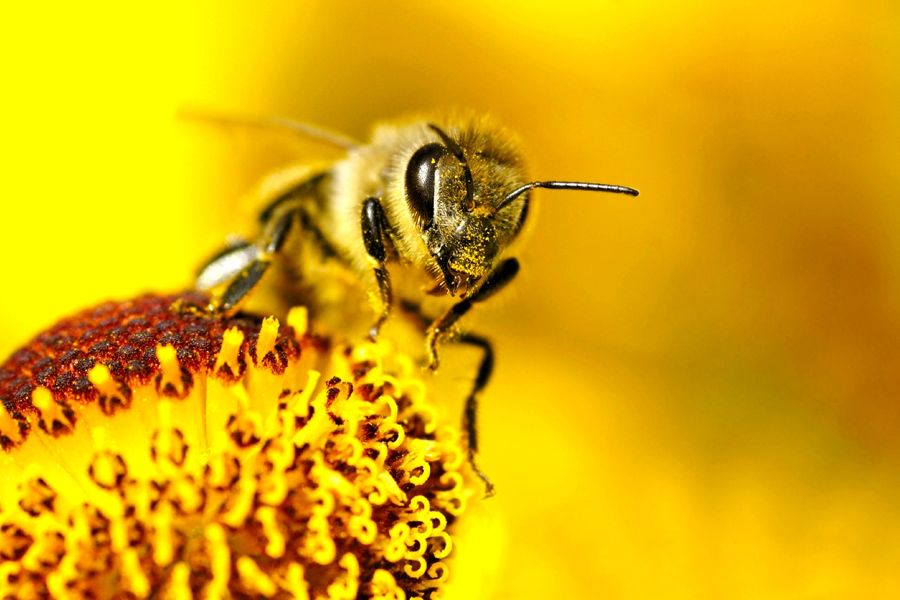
457 213
468 196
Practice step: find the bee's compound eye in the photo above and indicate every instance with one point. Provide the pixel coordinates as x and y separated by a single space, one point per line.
420 181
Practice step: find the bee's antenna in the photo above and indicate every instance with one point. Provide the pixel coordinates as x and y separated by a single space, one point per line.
457 151
567 185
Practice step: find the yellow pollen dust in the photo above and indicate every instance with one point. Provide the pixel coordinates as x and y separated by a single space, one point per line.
237 479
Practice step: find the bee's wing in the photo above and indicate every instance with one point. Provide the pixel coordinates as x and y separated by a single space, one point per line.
279 124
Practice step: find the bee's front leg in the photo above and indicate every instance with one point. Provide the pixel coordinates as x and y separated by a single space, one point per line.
470 414
375 237
482 377
495 281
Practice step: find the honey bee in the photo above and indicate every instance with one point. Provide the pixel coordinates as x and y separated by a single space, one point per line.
428 208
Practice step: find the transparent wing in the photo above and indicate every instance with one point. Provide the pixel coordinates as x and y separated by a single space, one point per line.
278 124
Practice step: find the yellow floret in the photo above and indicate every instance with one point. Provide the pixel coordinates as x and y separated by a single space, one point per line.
290 484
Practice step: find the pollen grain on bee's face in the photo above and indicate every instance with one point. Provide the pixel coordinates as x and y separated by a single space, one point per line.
149 447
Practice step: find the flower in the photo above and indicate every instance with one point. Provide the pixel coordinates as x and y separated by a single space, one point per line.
151 448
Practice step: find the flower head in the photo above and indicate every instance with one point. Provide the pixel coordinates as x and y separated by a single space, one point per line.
153 449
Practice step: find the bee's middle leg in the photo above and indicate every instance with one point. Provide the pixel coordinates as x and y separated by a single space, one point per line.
377 242
470 413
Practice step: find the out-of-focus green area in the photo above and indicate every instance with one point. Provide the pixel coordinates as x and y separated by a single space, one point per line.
696 392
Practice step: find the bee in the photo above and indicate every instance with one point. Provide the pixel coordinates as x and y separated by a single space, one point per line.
427 209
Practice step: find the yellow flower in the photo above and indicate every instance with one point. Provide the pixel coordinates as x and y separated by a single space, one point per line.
149 449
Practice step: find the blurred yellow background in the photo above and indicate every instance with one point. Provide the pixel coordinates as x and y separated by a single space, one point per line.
697 392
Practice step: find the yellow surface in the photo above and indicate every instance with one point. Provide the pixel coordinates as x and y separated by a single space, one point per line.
696 393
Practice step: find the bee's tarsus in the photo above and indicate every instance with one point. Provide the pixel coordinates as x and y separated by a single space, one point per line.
433 361
182 306
489 489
